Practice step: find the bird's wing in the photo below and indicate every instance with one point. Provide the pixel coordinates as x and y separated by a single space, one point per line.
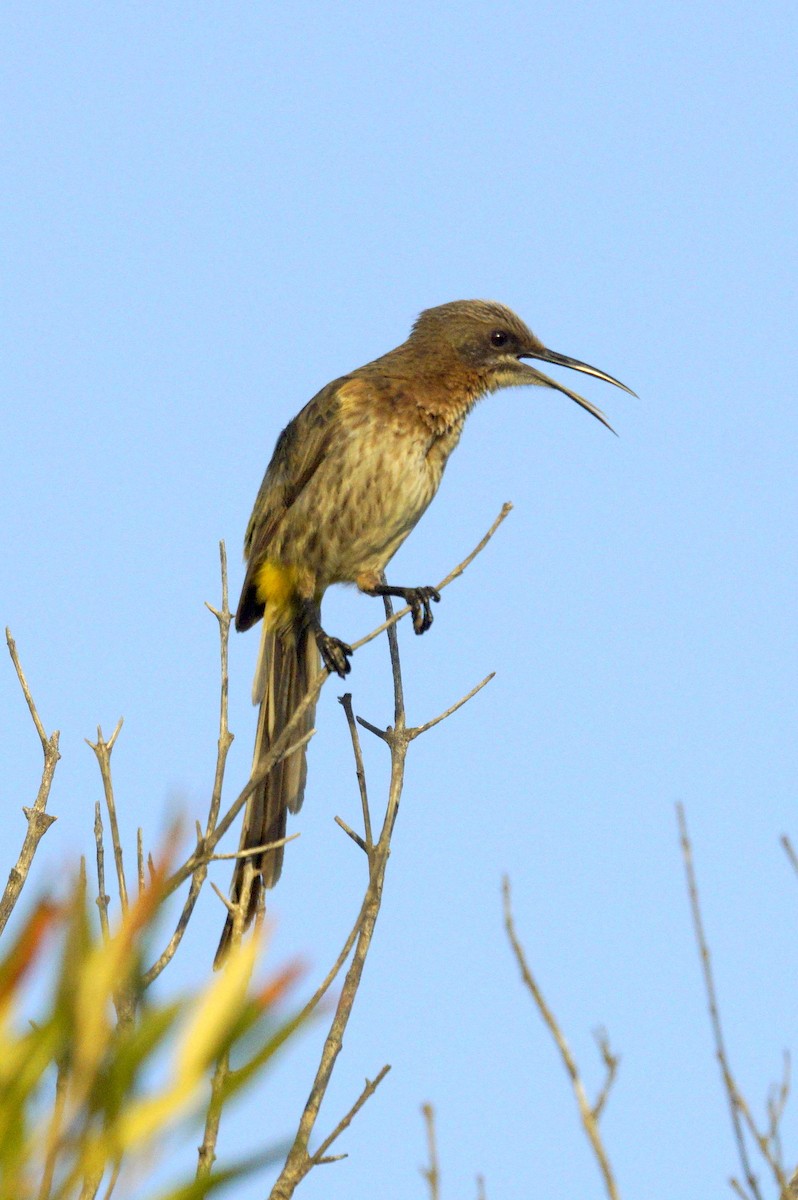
300 449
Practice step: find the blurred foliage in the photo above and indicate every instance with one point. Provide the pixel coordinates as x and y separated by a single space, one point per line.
98 1083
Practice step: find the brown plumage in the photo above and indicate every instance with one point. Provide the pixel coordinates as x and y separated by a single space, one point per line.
349 478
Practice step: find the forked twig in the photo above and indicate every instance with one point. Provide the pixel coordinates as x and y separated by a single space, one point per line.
369 1089
366 843
588 1113
738 1108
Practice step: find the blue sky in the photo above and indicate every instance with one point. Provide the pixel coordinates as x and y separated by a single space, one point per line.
210 210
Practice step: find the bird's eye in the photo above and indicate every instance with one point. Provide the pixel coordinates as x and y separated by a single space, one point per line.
499 338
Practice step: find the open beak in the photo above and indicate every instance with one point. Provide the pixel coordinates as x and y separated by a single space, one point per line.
562 360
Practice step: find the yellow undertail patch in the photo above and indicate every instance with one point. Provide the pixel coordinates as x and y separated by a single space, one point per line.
277 587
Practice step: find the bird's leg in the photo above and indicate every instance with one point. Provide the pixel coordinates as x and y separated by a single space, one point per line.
418 598
334 653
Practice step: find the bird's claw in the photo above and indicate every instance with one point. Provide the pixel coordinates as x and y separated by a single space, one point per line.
419 601
334 654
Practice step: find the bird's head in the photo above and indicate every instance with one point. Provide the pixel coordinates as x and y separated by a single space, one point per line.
491 340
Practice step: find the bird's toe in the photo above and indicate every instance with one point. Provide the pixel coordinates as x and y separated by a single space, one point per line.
335 655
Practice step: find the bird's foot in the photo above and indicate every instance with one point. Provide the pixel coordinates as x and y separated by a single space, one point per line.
334 654
419 600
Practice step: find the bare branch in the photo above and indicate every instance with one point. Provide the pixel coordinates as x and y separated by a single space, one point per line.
414 733
777 1103
611 1062
207 1151
346 702
140 858
714 1012
356 838
763 1141
371 1086
224 617
431 1173
382 734
589 1114
200 859
23 683
103 750
221 1074
39 820
226 901
790 851
251 851
103 899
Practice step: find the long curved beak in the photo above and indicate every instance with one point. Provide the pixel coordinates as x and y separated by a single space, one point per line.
562 360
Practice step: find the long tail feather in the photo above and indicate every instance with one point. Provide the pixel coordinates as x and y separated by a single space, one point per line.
287 663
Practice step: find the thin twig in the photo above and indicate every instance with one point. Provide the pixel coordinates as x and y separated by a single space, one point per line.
432 1172
39 820
346 702
356 838
226 901
712 1003
103 899
777 1103
23 683
414 733
251 851
222 1071
225 741
762 1140
790 850
396 672
368 1091
589 1114
140 858
611 1062
382 734
103 751
200 859
207 1151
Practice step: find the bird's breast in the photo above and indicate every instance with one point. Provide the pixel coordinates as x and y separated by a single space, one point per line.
378 476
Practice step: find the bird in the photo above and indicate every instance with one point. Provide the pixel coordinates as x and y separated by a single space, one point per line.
350 477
